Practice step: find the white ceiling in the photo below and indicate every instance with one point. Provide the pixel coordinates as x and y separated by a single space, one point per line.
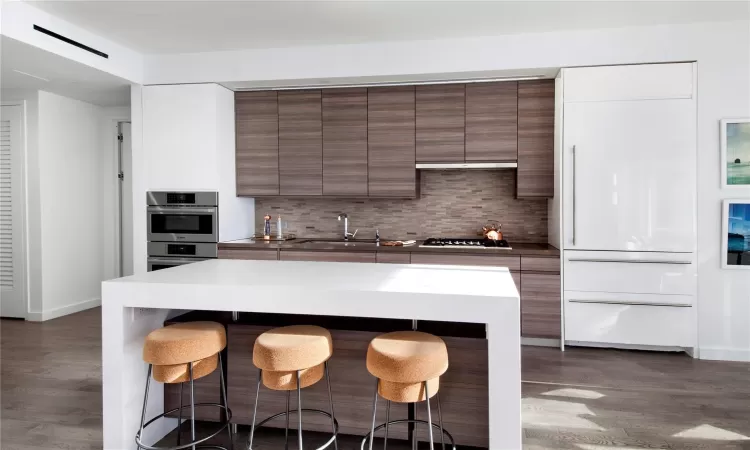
23 66
154 27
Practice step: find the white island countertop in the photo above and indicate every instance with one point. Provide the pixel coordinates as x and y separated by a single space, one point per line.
422 292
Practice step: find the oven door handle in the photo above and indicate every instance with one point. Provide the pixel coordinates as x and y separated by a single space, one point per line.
188 210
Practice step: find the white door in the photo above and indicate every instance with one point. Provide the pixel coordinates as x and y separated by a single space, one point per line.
629 175
12 257
126 201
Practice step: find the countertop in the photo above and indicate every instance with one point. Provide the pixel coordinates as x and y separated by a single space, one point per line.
296 244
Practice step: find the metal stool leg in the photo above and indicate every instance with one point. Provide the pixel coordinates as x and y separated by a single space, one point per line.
255 409
330 403
299 411
414 440
286 430
374 412
226 404
179 420
429 415
145 399
387 419
440 419
192 406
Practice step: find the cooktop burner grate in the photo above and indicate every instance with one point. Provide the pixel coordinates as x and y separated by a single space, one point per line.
466 243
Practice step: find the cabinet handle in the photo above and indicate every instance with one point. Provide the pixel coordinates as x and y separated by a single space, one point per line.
625 302
574 195
629 261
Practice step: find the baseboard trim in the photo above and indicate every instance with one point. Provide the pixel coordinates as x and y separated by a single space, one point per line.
63 310
540 342
725 354
648 348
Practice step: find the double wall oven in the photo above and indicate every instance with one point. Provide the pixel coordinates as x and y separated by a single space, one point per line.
183 227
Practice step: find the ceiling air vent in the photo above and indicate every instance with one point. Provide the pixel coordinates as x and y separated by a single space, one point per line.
70 41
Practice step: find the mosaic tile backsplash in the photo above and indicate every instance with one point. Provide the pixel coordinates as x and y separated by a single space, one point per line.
453 203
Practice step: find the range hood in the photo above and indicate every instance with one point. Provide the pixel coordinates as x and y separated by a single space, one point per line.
461 165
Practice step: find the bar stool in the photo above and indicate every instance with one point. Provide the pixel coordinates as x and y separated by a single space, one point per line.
182 353
407 366
292 358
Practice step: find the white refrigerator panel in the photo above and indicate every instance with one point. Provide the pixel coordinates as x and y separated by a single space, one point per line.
629 175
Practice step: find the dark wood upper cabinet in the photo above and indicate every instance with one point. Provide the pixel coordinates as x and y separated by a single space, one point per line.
345 142
440 123
300 143
391 142
536 140
257 141
492 121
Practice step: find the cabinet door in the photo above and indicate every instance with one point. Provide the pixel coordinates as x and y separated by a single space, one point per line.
440 123
540 305
257 140
391 142
536 138
300 143
249 254
629 175
492 121
345 142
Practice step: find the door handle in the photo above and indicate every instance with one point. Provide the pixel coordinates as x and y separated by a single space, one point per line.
574 195
627 303
628 261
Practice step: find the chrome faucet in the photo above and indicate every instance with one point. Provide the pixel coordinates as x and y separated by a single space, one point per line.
347 234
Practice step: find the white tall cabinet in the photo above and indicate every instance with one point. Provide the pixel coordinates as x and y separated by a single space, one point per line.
629 205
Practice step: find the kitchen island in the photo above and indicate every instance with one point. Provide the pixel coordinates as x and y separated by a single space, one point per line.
134 306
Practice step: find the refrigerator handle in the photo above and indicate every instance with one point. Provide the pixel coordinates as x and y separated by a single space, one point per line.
574 195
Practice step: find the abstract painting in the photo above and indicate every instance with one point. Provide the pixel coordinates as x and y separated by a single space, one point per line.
735 152
736 239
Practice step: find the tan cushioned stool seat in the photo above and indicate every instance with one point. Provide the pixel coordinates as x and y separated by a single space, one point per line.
292 348
184 342
178 373
407 357
407 392
287 381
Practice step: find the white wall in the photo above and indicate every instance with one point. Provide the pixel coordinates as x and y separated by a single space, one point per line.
71 220
183 139
721 49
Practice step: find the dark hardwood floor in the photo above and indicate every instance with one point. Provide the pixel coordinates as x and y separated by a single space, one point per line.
583 399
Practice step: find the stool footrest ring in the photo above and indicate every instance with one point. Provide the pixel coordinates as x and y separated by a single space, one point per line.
423 422
197 443
317 411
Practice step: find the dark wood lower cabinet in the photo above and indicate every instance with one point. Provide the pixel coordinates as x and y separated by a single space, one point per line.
254 255
540 305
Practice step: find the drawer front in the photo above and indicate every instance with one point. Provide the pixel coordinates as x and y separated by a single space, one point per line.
257 255
537 264
629 324
394 258
649 275
294 255
511 262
